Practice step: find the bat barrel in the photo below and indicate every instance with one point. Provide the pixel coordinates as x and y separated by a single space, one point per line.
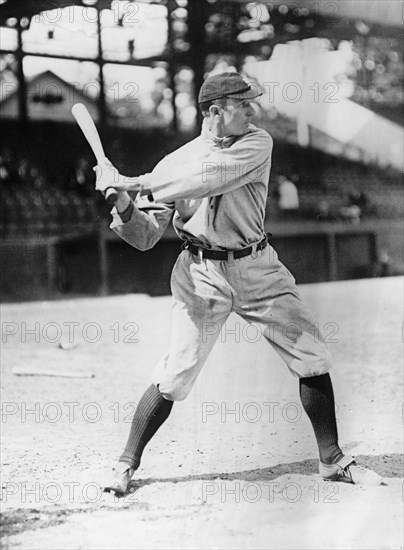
87 126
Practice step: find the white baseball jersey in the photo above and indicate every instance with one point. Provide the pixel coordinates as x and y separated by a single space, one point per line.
217 187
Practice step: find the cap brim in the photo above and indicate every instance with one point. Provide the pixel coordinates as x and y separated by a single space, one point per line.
249 94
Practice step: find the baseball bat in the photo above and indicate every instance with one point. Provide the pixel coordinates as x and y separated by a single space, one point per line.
87 126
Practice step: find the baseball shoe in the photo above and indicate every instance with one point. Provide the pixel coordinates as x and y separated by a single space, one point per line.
347 471
122 474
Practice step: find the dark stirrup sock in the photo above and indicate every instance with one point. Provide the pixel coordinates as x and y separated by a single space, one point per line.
317 398
151 412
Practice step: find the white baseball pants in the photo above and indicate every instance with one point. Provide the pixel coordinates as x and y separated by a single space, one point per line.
257 287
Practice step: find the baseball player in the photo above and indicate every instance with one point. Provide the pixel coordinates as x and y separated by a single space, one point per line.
215 187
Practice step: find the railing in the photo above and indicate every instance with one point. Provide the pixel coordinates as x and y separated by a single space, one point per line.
95 261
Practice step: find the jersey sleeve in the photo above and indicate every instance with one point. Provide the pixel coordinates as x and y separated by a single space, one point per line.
224 170
143 227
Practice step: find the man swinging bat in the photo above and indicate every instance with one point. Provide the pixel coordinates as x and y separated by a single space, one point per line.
216 187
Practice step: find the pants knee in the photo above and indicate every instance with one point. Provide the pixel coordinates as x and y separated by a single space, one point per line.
321 365
173 393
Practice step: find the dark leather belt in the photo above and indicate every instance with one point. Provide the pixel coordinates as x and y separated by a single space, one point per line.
209 254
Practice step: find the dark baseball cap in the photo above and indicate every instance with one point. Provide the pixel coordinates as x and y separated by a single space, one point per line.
228 84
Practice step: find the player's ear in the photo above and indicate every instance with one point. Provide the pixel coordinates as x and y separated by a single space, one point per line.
214 110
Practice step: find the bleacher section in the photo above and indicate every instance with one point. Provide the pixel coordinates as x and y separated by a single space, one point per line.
326 186
46 212
323 180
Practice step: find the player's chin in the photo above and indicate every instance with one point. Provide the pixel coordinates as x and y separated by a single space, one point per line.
244 129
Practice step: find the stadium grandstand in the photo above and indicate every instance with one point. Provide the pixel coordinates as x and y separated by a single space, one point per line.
331 73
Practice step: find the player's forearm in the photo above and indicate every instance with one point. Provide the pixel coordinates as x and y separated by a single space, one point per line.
209 181
141 226
225 170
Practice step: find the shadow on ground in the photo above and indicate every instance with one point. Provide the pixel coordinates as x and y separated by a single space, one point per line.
17 521
388 465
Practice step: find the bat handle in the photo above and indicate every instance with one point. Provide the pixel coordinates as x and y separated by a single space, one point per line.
111 195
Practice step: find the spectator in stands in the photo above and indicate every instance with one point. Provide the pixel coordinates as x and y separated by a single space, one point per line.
384 267
360 199
351 213
81 178
8 172
30 175
288 200
5 175
357 205
23 169
39 178
323 211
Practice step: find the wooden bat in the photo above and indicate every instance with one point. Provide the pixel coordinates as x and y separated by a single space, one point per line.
87 126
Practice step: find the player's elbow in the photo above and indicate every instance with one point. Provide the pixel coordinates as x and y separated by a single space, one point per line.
136 238
147 244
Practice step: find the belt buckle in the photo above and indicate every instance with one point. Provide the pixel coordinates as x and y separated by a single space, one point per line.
200 254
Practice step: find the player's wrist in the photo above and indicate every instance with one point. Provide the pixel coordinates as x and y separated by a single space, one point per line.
123 203
125 213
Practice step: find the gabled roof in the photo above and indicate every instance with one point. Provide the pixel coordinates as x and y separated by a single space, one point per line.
49 97
77 94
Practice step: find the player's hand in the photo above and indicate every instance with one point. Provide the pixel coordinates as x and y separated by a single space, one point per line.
106 176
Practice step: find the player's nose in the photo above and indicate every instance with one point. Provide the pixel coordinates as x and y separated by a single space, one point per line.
250 110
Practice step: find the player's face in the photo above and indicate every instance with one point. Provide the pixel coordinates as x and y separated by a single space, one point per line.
236 116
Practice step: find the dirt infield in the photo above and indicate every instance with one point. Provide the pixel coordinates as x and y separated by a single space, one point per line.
235 466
